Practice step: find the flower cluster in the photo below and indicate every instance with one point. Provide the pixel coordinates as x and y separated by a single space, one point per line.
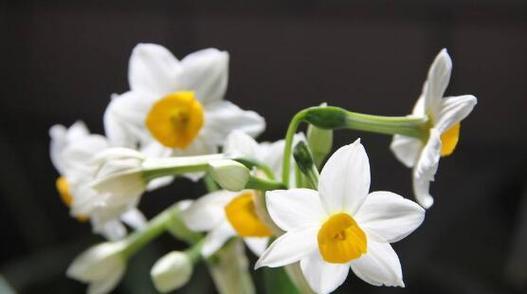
293 203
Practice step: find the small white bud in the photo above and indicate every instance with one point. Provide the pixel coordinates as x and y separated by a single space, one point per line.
171 271
320 142
229 174
101 266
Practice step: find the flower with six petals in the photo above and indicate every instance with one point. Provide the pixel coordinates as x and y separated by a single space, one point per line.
341 226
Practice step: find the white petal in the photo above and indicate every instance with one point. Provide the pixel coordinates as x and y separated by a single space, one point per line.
421 187
379 266
419 108
239 144
426 168
78 154
134 218
389 216
200 146
437 81
290 247
453 110
257 245
406 149
124 120
216 238
107 284
345 179
126 186
321 276
208 211
223 117
295 209
111 230
97 262
61 138
206 73
153 70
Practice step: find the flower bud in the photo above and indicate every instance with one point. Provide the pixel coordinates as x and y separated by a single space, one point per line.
101 266
304 161
229 174
171 271
320 142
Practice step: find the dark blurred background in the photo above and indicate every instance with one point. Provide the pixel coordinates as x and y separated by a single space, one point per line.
61 60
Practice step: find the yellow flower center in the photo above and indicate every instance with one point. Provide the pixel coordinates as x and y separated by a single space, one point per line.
340 239
241 214
449 140
175 120
65 195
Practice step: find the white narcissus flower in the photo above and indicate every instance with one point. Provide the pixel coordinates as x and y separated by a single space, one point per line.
176 107
71 151
101 266
341 226
224 215
444 116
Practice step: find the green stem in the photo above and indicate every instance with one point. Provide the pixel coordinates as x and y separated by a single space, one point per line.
288 149
168 220
171 166
389 125
194 252
210 184
330 117
253 163
257 183
140 238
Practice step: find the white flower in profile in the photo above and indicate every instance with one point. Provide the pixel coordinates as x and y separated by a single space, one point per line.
341 226
71 151
118 178
224 215
444 116
176 107
101 266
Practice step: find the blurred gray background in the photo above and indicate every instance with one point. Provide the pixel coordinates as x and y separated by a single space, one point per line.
61 61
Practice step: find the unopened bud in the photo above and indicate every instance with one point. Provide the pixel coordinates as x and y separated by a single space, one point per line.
320 142
172 271
229 174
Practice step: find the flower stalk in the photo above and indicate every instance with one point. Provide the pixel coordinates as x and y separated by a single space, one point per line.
332 118
168 220
159 167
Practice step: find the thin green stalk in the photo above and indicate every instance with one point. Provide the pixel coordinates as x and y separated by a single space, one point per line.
263 184
140 238
171 166
194 252
389 125
288 148
210 184
253 163
330 117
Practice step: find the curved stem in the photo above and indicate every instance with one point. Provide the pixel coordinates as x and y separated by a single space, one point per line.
331 117
288 148
253 163
263 184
